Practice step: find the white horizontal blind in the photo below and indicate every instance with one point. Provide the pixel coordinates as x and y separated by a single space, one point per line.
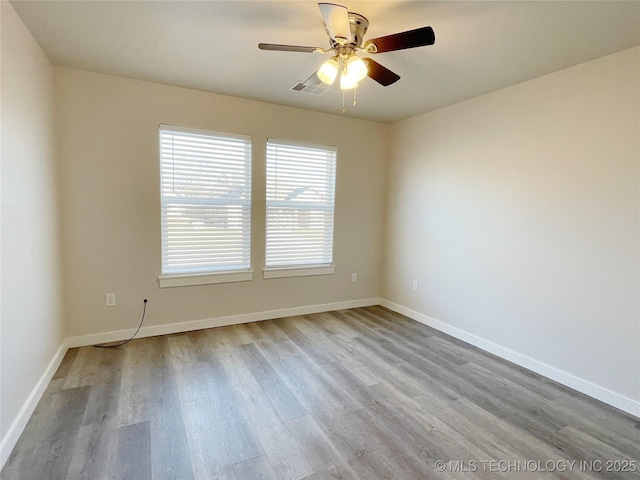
300 204
206 201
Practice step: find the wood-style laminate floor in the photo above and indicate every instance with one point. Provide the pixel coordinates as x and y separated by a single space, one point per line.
356 394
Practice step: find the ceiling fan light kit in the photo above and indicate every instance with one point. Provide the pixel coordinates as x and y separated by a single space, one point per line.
346 31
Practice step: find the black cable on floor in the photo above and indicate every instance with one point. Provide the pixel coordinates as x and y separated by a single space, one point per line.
144 310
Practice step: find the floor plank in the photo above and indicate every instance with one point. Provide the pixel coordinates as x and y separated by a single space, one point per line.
257 468
207 449
284 455
134 452
170 457
282 399
322 455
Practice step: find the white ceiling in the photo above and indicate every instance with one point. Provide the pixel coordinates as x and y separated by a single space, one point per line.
212 45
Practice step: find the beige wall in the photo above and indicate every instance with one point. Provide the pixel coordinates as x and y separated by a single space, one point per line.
31 320
108 137
518 214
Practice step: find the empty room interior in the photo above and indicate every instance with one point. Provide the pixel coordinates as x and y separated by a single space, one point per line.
288 240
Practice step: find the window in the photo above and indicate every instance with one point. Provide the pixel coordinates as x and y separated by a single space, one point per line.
206 206
300 206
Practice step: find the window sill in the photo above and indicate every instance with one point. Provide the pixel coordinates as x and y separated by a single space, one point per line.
204 278
283 272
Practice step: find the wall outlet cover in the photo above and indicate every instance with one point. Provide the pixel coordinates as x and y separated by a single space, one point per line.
110 299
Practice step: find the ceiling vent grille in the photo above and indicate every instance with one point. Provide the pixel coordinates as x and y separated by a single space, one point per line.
316 90
311 86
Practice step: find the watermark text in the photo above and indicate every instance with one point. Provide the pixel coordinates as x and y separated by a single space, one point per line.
539 466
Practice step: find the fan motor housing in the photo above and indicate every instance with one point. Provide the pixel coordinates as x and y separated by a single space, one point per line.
359 25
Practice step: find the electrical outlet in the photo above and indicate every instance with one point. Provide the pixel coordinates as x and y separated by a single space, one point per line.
415 285
354 277
110 299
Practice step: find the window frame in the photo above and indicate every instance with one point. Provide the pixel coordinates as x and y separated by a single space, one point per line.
301 269
214 275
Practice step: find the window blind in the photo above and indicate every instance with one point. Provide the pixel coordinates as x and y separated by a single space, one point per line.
300 204
206 201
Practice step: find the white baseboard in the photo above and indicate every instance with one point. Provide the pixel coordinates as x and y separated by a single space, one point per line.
17 427
154 330
600 393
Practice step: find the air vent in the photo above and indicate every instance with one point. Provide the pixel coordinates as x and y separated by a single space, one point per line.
316 90
311 86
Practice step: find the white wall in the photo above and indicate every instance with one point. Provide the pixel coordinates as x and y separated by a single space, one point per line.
31 319
518 214
108 145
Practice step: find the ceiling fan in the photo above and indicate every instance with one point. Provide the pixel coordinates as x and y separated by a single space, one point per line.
346 31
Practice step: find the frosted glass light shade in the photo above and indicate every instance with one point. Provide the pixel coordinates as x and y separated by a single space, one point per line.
356 68
329 70
347 81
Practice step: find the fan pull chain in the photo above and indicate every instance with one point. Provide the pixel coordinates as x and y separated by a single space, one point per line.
354 96
343 110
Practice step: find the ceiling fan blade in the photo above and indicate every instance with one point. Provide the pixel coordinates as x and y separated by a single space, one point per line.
287 48
336 19
380 74
399 41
